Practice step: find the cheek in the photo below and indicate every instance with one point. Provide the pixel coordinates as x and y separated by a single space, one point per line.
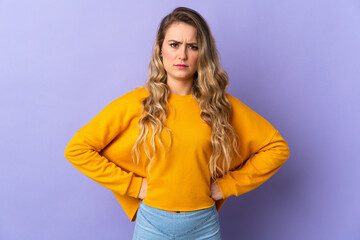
167 57
169 54
194 58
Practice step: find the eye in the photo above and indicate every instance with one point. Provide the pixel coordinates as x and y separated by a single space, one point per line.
193 47
173 44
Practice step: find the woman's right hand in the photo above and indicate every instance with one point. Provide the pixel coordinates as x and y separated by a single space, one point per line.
143 190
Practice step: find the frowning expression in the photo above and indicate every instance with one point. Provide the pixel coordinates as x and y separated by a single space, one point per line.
180 52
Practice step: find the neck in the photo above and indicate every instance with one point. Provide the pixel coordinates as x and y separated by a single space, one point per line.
180 87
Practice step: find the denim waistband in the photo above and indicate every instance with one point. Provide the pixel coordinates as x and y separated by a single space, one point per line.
155 223
162 212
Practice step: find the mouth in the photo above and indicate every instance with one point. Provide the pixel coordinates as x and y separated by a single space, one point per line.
181 66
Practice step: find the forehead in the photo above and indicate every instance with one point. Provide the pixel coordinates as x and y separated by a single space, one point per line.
181 31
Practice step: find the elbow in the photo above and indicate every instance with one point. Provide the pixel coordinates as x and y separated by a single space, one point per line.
69 152
280 151
286 151
282 147
75 154
78 152
283 150
73 150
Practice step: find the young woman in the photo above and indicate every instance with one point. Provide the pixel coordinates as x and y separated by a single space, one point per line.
174 150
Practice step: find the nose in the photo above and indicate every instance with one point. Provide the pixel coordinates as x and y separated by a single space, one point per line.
183 53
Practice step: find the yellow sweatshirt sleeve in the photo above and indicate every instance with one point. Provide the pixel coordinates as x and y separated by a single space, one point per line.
259 139
84 149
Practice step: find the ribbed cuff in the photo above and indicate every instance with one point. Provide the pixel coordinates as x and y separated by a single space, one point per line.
134 187
224 184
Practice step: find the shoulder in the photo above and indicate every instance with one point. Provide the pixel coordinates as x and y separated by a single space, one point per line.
237 105
232 99
137 94
245 116
128 102
133 97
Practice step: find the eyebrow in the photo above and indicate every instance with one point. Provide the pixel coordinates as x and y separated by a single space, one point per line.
180 42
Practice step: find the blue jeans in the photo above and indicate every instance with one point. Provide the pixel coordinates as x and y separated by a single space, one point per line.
153 223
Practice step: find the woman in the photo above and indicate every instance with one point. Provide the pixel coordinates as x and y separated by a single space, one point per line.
174 150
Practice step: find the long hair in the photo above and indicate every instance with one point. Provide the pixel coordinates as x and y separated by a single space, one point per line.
209 85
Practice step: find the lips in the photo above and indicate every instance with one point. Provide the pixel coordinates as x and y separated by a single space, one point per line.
181 66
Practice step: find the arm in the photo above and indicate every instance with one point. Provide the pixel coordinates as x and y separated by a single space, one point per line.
256 170
83 150
259 139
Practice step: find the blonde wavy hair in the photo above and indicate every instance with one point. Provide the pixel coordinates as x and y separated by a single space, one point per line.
209 85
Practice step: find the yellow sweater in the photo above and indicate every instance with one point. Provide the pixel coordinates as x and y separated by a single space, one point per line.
181 181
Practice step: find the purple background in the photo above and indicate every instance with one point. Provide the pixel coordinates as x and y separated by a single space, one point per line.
296 63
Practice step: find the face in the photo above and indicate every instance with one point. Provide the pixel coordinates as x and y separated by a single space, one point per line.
180 52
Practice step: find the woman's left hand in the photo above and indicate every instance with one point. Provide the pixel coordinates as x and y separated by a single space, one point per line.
215 191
